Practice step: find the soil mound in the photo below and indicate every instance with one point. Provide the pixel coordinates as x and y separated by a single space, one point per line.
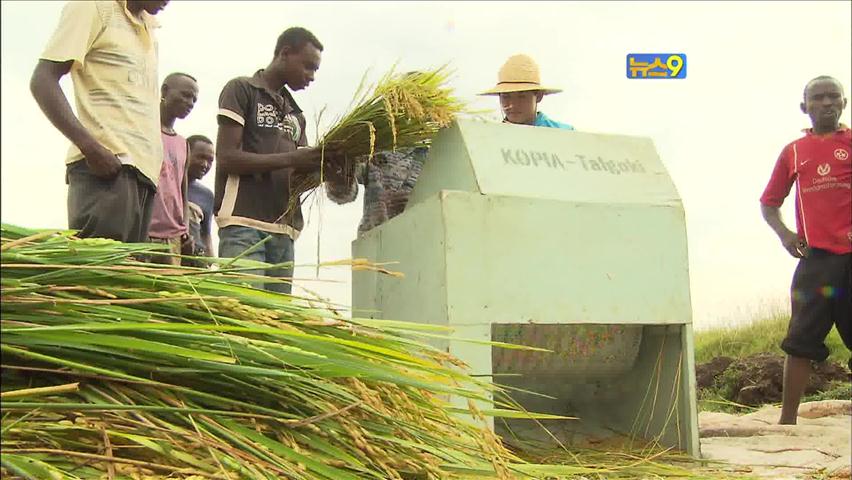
758 379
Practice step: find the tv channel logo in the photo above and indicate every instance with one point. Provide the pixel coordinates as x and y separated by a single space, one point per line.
656 65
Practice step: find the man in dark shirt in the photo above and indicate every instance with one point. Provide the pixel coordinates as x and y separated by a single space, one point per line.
261 150
200 197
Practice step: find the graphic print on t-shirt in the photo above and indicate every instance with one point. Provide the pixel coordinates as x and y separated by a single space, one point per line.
268 116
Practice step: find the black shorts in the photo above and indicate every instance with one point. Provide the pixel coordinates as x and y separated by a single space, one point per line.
821 297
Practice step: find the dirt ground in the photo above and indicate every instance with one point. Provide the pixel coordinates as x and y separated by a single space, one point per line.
817 448
757 380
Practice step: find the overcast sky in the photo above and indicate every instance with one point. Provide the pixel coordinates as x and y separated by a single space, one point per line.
718 132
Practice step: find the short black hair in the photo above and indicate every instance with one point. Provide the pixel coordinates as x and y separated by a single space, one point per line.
820 79
296 38
174 75
192 140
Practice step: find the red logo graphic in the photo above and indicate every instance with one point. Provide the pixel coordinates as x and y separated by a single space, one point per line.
841 154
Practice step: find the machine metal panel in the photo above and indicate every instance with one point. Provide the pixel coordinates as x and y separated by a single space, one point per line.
585 256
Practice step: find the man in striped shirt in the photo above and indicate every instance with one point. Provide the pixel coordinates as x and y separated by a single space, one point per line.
113 164
819 165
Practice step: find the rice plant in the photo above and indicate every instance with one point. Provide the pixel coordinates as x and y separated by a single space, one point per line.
117 369
401 110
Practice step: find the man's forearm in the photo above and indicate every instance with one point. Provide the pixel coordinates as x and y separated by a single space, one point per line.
772 216
239 162
45 88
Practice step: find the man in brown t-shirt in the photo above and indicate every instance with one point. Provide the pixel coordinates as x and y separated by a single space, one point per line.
260 147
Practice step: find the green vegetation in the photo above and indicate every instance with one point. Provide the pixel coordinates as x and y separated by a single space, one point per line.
118 369
763 335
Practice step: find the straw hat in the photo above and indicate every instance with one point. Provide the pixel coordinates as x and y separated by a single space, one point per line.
519 74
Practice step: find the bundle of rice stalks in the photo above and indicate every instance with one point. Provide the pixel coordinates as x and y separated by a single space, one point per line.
116 369
402 110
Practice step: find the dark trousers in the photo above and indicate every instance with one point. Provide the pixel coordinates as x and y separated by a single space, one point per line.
118 208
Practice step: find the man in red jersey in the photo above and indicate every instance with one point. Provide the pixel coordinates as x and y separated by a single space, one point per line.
820 165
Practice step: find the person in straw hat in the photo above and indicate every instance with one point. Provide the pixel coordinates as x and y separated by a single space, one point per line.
520 91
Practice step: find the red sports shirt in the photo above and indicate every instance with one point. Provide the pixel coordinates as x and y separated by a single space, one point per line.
821 168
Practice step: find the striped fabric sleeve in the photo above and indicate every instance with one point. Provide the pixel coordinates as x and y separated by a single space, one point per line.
234 101
79 26
224 112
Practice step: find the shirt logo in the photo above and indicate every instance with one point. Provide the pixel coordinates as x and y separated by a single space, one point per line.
824 169
270 117
290 125
841 154
267 116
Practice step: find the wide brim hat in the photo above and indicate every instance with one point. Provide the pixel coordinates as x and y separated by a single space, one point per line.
520 73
